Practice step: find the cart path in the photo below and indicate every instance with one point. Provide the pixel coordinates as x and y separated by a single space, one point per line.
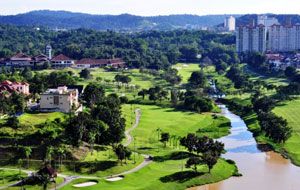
68 179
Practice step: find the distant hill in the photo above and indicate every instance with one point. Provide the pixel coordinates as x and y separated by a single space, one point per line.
68 20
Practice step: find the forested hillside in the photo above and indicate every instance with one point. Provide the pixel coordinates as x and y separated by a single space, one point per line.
150 49
69 20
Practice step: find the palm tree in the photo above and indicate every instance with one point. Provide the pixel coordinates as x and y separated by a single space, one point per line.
158 131
27 151
49 153
61 152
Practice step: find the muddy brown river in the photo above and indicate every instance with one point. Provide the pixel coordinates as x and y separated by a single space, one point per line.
261 169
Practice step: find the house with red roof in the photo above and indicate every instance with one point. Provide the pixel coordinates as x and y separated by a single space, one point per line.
20 60
97 63
11 87
62 61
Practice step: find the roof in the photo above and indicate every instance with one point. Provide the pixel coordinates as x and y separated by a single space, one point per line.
87 61
61 57
78 87
21 55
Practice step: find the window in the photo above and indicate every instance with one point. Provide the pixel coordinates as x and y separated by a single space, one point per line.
56 100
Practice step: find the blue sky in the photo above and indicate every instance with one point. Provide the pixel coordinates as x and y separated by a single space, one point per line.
154 7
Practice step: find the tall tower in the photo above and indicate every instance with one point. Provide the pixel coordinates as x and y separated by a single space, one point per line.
229 23
48 51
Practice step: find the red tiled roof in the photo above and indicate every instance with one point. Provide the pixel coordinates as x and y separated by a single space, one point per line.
21 55
61 57
99 61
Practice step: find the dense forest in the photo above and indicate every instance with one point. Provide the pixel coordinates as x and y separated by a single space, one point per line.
154 50
69 20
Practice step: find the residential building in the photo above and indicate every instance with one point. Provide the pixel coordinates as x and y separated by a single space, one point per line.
283 38
97 63
251 38
20 60
229 23
62 61
14 87
59 99
267 21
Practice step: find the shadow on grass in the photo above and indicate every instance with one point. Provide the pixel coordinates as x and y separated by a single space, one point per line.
90 167
146 148
173 156
180 177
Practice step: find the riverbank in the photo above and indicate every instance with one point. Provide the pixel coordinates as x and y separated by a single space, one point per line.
287 150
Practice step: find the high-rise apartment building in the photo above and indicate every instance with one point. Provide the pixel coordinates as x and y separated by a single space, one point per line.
229 23
283 38
267 21
251 38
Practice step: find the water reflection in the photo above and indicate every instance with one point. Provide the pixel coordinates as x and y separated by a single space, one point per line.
262 169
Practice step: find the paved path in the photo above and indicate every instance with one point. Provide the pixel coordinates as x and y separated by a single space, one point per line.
17 183
68 179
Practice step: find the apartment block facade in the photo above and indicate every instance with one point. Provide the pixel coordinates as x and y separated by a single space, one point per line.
283 38
251 38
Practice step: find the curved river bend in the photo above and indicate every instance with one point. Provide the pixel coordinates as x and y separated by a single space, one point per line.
262 170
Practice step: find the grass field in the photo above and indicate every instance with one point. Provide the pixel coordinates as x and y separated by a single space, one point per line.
165 171
38 118
163 176
185 70
8 177
58 181
289 110
175 122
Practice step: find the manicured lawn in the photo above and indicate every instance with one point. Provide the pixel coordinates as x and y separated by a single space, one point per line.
58 180
38 118
163 176
8 177
165 171
289 110
185 70
176 123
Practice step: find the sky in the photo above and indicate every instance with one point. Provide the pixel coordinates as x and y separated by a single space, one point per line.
153 7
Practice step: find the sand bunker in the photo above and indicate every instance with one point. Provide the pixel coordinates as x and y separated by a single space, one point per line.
114 179
86 184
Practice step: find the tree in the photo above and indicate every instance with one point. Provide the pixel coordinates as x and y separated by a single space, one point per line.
193 161
198 79
93 94
13 122
27 151
290 71
45 180
165 138
85 73
210 158
61 153
122 153
143 93
123 78
27 73
49 152
46 65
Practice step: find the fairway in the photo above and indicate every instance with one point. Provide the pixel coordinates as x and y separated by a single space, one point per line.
185 70
290 110
165 171
8 177
38 118
175 122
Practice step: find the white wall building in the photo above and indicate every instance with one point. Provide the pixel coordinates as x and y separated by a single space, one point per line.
60 99
267 21
229 23
283 38
251 38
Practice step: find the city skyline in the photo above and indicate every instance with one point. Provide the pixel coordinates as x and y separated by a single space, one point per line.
154 7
